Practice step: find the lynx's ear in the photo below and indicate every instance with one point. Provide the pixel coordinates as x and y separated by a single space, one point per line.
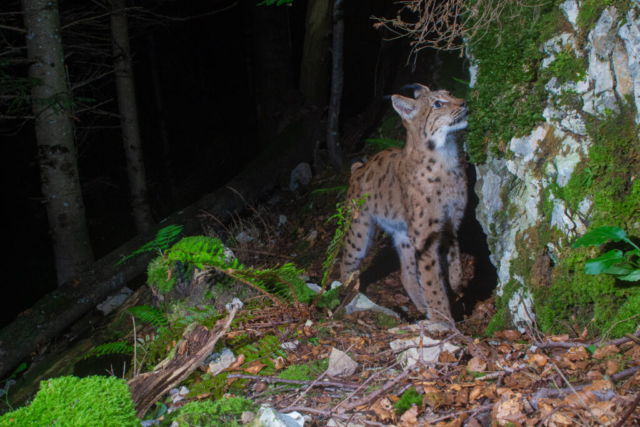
406 107
418 89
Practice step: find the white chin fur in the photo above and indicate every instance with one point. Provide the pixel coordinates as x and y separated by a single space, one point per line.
458 126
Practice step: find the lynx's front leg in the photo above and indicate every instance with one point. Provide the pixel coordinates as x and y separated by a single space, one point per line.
430 277
455 266
407 255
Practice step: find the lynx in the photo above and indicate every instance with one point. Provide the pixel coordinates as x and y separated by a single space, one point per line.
418 196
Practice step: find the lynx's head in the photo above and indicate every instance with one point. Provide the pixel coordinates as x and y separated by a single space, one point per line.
431 116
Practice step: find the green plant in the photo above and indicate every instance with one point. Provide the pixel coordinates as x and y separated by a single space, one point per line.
218 413
616 263
4 391
109 348
346 213
163 239
407 400
149 315
69 401
384 143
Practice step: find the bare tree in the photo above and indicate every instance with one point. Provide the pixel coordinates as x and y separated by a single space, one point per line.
315 51
52 104
337 78
129 118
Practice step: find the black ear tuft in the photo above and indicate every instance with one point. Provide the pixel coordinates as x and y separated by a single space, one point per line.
418 89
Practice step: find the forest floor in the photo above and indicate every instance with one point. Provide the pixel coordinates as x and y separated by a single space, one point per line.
463 378
373 369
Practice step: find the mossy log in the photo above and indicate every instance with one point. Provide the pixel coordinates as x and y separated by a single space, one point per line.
59 309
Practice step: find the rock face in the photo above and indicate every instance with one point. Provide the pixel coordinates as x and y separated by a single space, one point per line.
528 190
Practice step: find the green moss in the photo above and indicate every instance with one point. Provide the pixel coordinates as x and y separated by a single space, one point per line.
509 94
71 401
502 319
567 67
385 320
407 400
590 11
306 372
218 413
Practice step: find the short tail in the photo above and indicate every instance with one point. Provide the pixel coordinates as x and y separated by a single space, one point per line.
356 164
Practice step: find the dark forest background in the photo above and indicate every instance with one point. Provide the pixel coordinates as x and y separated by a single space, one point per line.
202 65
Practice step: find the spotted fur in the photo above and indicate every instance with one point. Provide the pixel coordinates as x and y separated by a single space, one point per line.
418 196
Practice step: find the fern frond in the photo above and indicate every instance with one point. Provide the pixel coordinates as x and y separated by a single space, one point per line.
149 315
384 143
337 189
109 348
162 241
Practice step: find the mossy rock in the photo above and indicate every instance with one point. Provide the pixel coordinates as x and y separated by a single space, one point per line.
72 401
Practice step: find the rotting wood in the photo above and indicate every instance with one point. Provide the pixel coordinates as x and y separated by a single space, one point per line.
196 345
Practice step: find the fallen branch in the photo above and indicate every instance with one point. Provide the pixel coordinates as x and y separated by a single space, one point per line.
551 393
631 410
281 380
193 349
561 344
383 389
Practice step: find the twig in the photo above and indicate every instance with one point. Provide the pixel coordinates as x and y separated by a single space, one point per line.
135 346
251 251
631 410
584 404
384 388
562 344
365 383
479 409
281 380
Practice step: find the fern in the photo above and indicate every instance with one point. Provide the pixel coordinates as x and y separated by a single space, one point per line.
149 315
163 239
346 213
385 143
118 347
339 189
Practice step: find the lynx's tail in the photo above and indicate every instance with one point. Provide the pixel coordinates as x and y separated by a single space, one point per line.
356 164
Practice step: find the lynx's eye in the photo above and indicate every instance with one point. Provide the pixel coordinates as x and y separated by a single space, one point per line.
437 104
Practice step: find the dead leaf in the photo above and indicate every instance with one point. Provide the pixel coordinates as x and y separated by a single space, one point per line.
580 399
598 385
612 367
577 353
410 417
508 411
279 362
538 359
236 365
607 350
254 367
473 423
475 393
384 409
512 335
446 357
476 365
262 386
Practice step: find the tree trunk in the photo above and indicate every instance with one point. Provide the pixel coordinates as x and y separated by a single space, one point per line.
61 308
162 123
313 76
337 78
52 103
272 67
129 118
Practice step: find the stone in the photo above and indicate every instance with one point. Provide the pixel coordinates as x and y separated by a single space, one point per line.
362 303
431 349
268 417
114 301
282 220
630 35
244 237
620 62
520 307
290 345
429 326
571 10
340 364
561 218
300 176
218 362
247 417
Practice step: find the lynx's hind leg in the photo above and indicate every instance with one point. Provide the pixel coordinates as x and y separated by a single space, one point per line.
455 267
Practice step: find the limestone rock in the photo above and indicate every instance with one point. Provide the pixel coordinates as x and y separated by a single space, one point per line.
340 364
300 176
431 349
